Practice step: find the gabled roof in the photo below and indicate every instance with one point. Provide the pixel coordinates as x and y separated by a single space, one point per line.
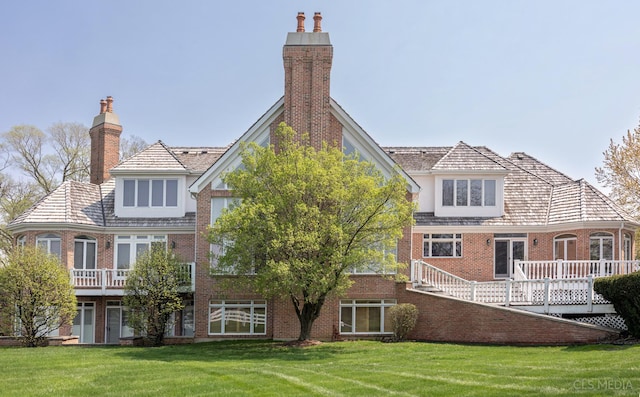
379 156
463 157
156 158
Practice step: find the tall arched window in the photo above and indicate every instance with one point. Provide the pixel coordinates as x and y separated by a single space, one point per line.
601 246
565 247
50 243
84 253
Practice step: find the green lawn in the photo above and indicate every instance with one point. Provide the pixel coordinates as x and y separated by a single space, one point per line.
330 369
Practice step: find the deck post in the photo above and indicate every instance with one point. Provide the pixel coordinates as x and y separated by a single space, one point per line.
546 295
590 293
507 291
103 281
472 291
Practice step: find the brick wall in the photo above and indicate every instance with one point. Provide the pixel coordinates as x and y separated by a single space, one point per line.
446 319
477 261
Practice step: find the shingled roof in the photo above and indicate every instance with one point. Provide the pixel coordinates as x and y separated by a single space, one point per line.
535 194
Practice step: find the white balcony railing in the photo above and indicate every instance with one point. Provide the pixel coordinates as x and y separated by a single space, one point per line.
112 280
562 269
544 293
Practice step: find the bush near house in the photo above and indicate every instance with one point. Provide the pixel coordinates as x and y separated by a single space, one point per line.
624 292
403 319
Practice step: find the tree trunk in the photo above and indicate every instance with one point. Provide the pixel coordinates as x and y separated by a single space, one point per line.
309 313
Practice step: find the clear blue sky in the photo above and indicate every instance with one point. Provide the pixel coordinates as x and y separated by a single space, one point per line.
556 79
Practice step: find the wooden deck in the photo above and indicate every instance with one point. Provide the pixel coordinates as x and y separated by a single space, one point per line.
565 288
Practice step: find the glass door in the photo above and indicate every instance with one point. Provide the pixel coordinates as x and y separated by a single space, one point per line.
84 323
506 252
116 324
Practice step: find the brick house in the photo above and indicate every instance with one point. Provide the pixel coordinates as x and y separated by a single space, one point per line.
483 221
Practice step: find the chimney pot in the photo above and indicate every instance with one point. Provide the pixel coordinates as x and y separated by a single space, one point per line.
103 106
300 18
110 104
317 18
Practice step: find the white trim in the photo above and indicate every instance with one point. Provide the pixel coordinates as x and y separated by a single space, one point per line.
233 153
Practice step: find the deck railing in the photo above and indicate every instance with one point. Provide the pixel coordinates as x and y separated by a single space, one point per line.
114 279
518 291
563 269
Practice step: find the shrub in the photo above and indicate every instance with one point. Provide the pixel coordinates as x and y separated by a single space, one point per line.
403 319
624 292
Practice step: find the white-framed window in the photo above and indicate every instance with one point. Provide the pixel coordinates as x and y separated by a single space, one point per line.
601 246
565 247
147 192
365 316
84 253
21 241
218 205
469 192
447 245
50 243
377 268
237 317
130 247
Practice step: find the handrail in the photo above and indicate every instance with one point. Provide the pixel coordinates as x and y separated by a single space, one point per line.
575 268
533 292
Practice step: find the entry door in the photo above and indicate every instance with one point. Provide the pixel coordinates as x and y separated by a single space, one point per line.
506 252
83 323
113 325
116 324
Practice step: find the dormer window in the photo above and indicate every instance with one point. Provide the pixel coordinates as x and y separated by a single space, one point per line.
150 193
469 192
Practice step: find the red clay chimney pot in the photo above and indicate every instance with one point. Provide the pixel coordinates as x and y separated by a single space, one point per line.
300 18
317 18
110 104
103 106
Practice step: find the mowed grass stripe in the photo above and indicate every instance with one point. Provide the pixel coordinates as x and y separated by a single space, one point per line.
363 368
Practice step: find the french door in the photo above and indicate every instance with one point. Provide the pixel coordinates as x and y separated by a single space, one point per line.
506 252
116 324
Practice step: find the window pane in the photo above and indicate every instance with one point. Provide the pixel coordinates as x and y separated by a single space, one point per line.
345 319
441 248
141 248
476 192
91 255
129 193
124 255
237 320
462 193
215 321
78 250
367 319
172 193
55 248
607 248
594 249
259 321
157 193
447 192
489 192
143 193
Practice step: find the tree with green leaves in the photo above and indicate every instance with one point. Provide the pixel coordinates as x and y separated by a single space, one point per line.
152 292
36 294
621 171
305 219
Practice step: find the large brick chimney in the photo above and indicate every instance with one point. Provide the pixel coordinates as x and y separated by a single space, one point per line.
307 60
105 142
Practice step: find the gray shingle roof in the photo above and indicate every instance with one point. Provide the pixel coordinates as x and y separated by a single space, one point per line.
463 157
156 158
72 202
